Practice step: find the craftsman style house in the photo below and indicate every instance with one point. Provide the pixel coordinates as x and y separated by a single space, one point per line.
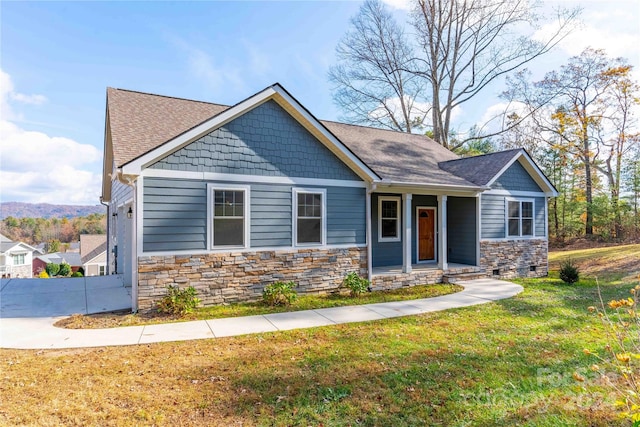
230 198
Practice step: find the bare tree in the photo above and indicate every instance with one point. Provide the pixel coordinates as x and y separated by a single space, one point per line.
372 83
467 44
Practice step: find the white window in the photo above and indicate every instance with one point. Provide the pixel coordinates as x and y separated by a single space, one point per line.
102 270
228 216
520 218
309 223
18 259
388 219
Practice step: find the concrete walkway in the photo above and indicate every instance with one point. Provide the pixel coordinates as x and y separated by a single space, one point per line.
39 332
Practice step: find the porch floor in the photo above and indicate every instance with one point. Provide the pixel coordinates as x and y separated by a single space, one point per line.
397 269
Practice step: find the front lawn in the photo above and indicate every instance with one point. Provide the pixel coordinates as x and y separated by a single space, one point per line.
507 363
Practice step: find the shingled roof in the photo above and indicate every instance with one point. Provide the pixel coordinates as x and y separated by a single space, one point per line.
480 169
91 245
140 122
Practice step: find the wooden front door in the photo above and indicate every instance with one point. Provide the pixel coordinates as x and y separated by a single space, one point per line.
426 234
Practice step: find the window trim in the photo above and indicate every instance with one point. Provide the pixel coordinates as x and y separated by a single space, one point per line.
211 188
323 220
398 237
22 254
520 200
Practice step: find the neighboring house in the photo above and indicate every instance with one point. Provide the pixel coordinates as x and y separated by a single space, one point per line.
16 259
229 199
93 252
40 261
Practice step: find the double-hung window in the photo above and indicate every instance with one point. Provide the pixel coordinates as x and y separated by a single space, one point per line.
388 219
520 218
228 216
18 259
309 216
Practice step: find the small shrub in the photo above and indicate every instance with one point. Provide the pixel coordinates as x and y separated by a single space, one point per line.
65 270
43 275
76 274
279 293
179 301
356 284
81 270
52 269
569 272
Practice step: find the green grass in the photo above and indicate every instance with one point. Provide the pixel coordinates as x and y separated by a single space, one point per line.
303 302
506 363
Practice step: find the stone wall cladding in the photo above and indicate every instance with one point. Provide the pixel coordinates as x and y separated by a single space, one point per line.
514 258
21 271
241 276
385 282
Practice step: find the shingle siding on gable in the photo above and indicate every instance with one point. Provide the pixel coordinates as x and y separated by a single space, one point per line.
516 178
175 215
265 141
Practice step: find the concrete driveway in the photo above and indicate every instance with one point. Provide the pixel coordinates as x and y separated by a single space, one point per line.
20 298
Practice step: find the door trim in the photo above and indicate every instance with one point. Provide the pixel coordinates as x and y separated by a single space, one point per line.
434 211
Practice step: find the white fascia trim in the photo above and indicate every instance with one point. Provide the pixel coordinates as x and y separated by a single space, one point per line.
534 171
247 215
96 263
212 176
444 189
338 146
261 249
515 193
294 217
398 218
136 166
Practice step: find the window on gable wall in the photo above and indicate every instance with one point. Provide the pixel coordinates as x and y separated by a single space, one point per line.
309 217
229 217
18 259
520 218
388 219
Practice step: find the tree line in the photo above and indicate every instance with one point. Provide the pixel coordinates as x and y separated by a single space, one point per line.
55 232
579 122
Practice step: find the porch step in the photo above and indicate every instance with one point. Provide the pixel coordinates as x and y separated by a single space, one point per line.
454 278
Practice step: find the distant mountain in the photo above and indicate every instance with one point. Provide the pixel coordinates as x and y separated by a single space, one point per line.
45 210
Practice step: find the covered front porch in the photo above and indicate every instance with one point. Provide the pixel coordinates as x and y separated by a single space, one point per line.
422 238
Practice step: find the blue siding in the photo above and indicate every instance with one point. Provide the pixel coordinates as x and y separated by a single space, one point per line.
461 227
492 216
175 215
265 141
383 253
516 178
346 215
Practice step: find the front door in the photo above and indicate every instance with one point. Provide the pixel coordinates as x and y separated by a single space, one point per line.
426 234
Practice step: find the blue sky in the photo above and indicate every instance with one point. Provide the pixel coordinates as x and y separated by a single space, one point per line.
57 58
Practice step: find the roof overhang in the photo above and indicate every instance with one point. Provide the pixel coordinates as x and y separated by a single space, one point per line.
430 189
276 93
22 247
534 171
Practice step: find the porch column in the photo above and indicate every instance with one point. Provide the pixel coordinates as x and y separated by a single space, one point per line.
443 264
406 235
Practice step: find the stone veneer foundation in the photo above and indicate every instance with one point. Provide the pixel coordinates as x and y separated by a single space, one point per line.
241 276
21 271
508 259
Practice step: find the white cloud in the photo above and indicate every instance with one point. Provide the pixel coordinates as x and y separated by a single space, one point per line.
399 4
40 168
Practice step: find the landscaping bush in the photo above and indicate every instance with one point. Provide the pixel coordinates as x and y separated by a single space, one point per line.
77 274
65 270
569 272
81 270
52 269
43 275
179 301
279 293
356 284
